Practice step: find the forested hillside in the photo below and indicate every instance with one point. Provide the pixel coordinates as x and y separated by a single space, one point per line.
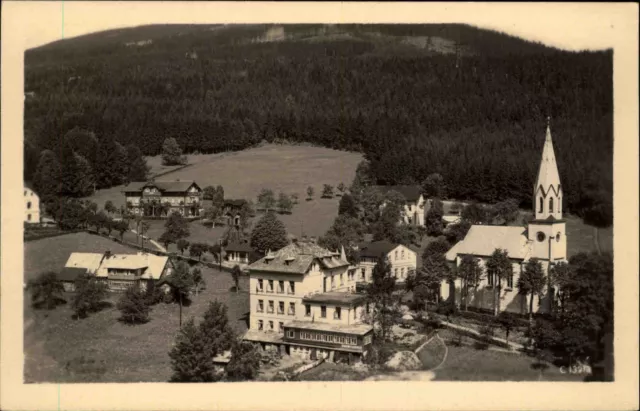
469 104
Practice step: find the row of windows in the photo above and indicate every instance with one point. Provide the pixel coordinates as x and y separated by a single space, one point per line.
270 326
492 279
541 205
335 339
291 286
271 307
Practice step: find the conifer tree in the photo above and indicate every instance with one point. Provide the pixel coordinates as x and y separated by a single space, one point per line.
133 306
190 360
171 152
245 361
498 267
138 169
532 282
216 331
380 295
47 177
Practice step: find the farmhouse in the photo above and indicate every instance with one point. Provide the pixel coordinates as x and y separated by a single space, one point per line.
231 211
301 303
544 238
161 198
120 271
403 260
413 212
31 205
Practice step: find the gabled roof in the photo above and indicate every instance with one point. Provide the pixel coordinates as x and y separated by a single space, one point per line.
28 185
243 247
164 186
376 248
70 273
482 240
234 203
88 261
297 258
410 193
99 264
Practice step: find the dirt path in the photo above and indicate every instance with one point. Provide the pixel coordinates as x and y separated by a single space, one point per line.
158 246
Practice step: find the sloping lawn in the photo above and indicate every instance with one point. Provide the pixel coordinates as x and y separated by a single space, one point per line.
102 349
290 169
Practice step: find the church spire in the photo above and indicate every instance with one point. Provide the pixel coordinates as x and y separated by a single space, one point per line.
548 191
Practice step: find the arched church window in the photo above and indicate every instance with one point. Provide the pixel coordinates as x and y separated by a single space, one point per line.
540 209
558 236
551 205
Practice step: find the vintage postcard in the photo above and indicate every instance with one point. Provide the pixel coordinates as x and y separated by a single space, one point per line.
256 205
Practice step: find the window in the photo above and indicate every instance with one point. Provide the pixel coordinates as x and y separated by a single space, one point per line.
260 306
29 217
336 313
307 310
271 325
341 278
395 255
292 287
510 281
490 279
29 204
260 325
402 254
558 236
355 309
281 307
292 309
541 207
270 286
280 327
323 311
260 286
402 272
551 205
290 334
280 287
362 271
395 272
541 236
270 309
333 283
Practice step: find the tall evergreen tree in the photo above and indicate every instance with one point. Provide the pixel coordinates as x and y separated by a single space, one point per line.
171 152
138 169
532 282
498 267
380 296
134 306
109 166
190 359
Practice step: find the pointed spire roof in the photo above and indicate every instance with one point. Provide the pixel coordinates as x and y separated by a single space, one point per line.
548 175
343 255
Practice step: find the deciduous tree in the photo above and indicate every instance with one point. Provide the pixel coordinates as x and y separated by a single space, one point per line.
90 293
133 306
172 153
182 245
499 267
470 273
380 296
46 290
532 282
236 272
244 363
266 199
269 233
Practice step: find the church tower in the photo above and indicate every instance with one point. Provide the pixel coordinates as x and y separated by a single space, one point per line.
547 231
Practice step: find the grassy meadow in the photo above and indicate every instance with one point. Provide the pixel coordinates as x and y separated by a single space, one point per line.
102 349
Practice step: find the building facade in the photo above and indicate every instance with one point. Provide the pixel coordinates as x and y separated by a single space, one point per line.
403 260
119 271
305 288
161 198
413 210
544 239
31 206
238 253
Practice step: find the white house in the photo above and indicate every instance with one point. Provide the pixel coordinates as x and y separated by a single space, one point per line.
120 271
146 198
31 205
413 211
301 303
403 260
544 238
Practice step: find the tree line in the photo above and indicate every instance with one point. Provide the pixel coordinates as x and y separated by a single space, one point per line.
478 119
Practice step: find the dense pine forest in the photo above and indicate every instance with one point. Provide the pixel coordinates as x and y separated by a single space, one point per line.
469 104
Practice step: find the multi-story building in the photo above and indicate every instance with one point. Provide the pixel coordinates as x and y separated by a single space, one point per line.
119 271
31 206
544 238
302 303
403 260
413 211
161 198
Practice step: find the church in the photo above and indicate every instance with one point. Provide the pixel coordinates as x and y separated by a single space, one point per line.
543 238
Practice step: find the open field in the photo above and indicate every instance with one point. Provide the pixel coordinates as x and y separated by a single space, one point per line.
290 169
121 353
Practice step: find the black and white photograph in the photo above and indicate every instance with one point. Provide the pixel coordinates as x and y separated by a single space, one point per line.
323 202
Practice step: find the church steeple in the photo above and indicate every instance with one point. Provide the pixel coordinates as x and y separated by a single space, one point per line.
547 193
